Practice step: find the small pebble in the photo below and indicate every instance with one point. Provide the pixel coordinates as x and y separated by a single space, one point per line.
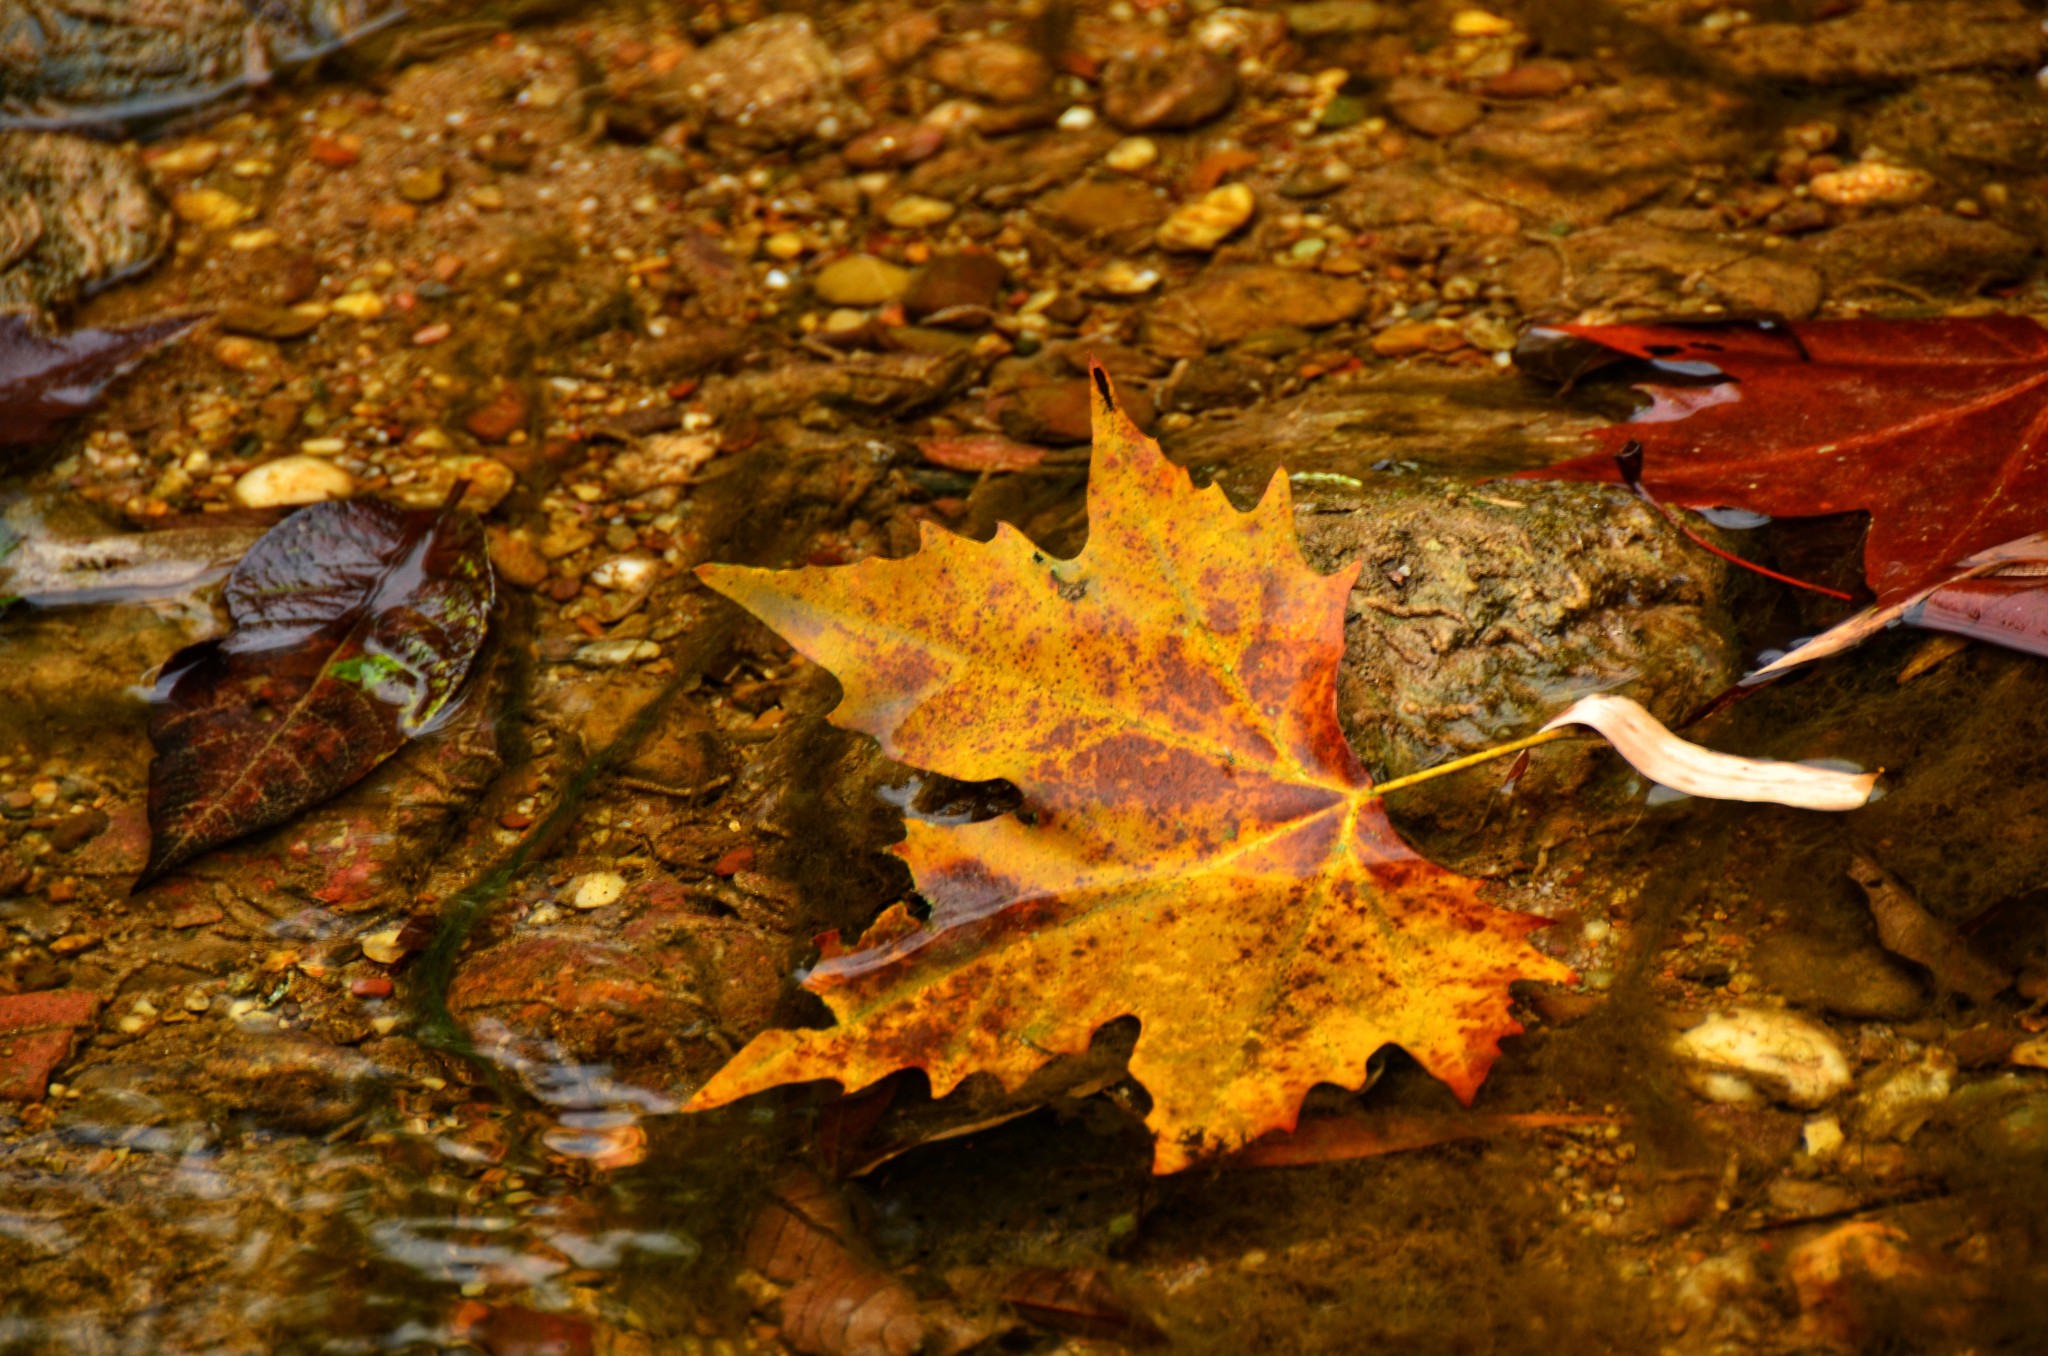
631 573
423 185
1871 182
1120 277
193 157
426 336
358 305
606 654
210 208
385 946
1477 23
914 211
245 354
1201 225
597 890
860 280
292 480
1132 154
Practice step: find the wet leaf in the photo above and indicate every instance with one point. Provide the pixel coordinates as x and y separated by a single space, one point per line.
1907 929
1995 595
354 624
1077 1300
1670 761
1339 1139
836 1301
1197 846
1938 429
48 378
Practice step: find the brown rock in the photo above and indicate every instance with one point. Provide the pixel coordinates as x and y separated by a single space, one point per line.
35 1037
1117 210
516 560
1226 304
1183 88
966 278
992 69
1884 42
1432 110
1983 1045
504 411
899 143
1858 982
770 84
1933 250
267 322
76 830
1532 80
1058 412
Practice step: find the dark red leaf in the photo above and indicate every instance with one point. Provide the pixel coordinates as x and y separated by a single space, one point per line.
48 378
354 625
1936 428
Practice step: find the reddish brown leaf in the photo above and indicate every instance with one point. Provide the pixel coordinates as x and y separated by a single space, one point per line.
982 452
837 1302
1936 428
354 625
1337 1139
48 378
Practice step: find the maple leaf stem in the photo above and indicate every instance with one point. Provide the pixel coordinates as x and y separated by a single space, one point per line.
1630 460
1469 760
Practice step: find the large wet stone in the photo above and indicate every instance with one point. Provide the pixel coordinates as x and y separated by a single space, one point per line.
75 215
1636 269
1892 42
1931 249
1481 611
69 63
773 83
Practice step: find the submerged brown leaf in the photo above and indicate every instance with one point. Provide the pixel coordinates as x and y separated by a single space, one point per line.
1906 929
48 378
835 1301
354 625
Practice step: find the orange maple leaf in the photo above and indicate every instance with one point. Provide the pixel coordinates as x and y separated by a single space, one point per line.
1198 846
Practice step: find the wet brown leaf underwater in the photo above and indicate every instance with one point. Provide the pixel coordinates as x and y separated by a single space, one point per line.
46 379
1197 847
354 625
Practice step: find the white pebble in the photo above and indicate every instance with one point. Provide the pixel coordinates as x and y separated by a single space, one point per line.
625 572
1792 1059
1132 154
606 654
597 890
292 480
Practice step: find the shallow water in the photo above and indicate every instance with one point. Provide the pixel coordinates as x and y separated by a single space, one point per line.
377 1081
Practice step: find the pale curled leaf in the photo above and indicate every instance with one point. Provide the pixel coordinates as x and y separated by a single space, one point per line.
1670 761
